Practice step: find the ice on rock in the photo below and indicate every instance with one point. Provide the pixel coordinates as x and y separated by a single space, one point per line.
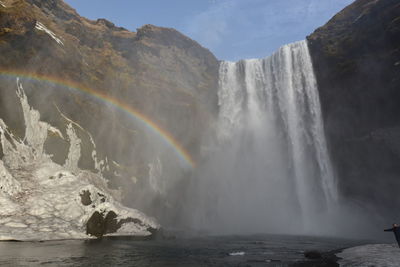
2 4
371 255
39 26
99 165
8 208
7 183
35 130
74 152
41 200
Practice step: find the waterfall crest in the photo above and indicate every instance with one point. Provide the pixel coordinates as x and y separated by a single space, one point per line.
273 171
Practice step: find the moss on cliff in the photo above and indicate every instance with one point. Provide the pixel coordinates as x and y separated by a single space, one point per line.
161 73
356 57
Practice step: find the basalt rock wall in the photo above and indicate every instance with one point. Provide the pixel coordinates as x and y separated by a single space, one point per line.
64 59
356 57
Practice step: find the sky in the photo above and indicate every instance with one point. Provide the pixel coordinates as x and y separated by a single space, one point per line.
231 29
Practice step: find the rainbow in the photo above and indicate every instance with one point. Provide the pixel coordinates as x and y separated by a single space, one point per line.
134 114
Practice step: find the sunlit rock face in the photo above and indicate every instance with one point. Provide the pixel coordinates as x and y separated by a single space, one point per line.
164 76
82 76
42 200
357 62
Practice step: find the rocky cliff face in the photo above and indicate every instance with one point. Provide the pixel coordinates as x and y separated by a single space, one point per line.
172 81
159 72
356 57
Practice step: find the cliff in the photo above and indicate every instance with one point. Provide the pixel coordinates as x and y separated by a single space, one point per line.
147 98
115 83
356 57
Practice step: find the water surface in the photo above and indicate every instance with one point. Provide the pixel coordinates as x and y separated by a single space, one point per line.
255 250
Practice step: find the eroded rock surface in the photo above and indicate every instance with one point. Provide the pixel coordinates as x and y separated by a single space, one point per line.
356 57
42 200
155 74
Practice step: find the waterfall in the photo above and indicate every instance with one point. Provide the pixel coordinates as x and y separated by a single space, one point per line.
273 171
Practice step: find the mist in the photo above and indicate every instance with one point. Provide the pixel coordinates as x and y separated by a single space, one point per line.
264 165
286 155
267 167
254 128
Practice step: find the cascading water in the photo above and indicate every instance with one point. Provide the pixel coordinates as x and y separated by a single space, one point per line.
273 172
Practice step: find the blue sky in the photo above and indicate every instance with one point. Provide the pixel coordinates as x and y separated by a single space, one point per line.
231 29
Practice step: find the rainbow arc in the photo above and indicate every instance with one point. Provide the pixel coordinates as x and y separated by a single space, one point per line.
134 114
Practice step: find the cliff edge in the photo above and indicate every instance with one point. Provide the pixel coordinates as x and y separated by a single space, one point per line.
356 57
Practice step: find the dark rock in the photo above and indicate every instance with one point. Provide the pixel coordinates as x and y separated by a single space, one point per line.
320 259
1 152
111 223
100 224
58 7
162 74
95 225
57 147
355 58
109 24
312 254
102 197
155 233
85 198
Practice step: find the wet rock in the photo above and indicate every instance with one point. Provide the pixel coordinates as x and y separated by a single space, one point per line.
85 198
95 225
102 197
321 259
354 57
312 254
100 224
111 223
159 72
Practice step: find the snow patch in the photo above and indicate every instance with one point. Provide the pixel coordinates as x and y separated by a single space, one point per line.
371 255
237 253
74 153
41 200
56 131
39 26
99 165
35 130
7 183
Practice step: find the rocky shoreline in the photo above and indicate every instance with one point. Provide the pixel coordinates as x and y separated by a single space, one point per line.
316 258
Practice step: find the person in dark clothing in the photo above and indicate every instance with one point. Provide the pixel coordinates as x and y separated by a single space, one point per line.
396 231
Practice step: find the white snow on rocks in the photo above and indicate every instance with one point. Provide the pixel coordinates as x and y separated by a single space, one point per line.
99 164
8 184
39 26
2 4
74 152
237 253
371 255
41 200
35 130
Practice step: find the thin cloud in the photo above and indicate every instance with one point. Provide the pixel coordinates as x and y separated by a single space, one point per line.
211 27
258 27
